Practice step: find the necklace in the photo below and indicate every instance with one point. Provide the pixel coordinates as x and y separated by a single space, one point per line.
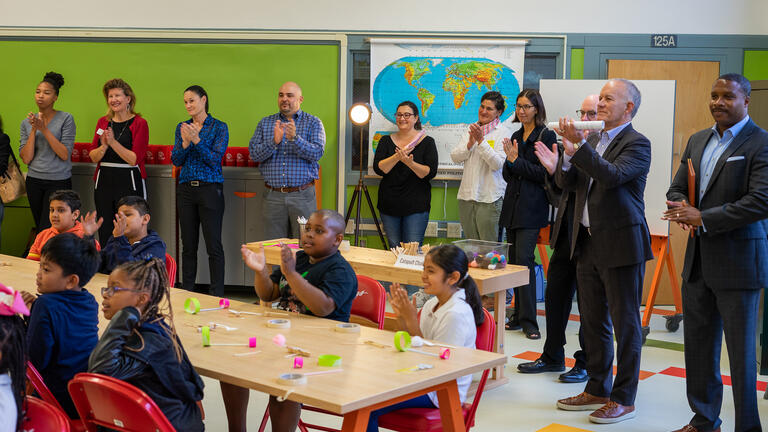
112 125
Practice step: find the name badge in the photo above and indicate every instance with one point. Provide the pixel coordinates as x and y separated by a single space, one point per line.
491 143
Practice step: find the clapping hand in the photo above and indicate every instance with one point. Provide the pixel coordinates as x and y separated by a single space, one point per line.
407 314
119 225
189 134
511 149
475 135
108 137
90 223
255 261
547 157
28 298
278 132
290 130
287 260
570 135
36 121
684 214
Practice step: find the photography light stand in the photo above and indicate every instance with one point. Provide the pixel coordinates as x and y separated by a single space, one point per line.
360 115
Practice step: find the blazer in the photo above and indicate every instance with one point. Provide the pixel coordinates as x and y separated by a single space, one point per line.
618 227
733 243
525 201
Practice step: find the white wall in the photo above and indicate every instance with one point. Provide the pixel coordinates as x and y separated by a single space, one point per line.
456 16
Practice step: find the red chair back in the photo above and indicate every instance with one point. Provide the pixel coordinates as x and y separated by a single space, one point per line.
34 378
43 416
170 267
370 301
109 402
425 419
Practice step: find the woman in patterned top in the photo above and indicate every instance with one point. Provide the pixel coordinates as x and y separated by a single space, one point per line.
200 144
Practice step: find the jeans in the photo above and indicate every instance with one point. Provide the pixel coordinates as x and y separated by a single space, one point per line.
405 228
422 401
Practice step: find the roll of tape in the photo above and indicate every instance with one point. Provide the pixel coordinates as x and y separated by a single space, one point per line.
329 360
402 340
224 303
279 323
298 362
252 342
192 305
206 331
292 379
348 328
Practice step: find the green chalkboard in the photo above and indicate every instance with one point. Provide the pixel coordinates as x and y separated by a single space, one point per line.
242 80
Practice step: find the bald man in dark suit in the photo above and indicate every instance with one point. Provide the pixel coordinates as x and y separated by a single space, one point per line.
726 261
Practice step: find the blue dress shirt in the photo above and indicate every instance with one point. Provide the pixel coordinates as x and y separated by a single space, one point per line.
202 161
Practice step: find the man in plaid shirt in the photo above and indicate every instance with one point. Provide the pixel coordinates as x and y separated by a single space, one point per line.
288 146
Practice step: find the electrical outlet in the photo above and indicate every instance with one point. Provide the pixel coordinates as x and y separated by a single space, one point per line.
350 228
431 229
363 242
454 230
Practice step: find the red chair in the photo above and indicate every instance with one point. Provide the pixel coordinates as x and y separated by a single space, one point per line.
369 304
170 267
44 417
112 403
428 419
36 381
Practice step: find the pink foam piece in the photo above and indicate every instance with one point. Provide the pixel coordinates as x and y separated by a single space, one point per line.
279 340
224 303
298 362
252 342
445 353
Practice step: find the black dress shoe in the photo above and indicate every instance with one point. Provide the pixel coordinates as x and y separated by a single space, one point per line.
575 375
539 366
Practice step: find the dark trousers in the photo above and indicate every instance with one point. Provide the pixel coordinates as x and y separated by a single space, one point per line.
610 296
111 185
558 300
201 206
708 313
522 244
38 193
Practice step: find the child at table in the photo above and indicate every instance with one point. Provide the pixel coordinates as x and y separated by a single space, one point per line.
317 281
63 320
140 345
451 316
13 358
64 212
131 238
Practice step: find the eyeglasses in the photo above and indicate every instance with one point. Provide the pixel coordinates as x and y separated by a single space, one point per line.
404 115
589 114
524 107
110 291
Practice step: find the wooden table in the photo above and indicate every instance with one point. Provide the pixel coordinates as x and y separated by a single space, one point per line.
371 378
379 264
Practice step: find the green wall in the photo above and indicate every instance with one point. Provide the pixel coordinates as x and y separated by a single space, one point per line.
756 65
577 63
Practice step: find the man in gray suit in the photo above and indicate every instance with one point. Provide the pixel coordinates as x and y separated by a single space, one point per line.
726 261
610 242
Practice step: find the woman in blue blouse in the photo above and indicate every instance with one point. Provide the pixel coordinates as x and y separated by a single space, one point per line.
200 144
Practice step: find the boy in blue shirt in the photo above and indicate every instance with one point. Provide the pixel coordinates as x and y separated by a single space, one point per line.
131 238
63 320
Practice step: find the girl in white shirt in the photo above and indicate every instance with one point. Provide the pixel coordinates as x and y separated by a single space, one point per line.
13 353
451 316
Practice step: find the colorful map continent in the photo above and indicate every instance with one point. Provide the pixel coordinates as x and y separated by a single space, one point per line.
426 97
460 77
414 70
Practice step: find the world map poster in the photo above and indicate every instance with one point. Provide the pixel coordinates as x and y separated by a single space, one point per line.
446 80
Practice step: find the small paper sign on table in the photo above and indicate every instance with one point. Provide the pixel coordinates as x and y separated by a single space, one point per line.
413 262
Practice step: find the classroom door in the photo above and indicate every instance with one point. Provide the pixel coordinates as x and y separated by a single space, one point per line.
693 84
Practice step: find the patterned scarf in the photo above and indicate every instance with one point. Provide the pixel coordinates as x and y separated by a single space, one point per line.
489 127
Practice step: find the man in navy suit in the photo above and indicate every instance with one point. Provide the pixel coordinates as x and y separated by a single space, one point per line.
611 243
726 261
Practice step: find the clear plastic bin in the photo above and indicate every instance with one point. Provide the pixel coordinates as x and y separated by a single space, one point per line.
484 254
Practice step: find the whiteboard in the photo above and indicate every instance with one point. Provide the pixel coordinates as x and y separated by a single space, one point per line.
655 119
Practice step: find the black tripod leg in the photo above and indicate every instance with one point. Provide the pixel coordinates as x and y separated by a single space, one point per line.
351 204
375 218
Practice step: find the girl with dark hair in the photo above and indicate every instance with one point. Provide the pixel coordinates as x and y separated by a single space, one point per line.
407 161
119 146
451 316
47 140
200 144
140 345
526 208
13 359
5 154
482 186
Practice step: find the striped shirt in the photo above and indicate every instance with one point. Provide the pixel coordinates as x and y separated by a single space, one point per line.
290 163
202 161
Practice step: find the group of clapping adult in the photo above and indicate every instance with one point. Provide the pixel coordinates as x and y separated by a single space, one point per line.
501 186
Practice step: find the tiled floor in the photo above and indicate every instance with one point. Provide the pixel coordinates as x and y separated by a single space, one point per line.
527 402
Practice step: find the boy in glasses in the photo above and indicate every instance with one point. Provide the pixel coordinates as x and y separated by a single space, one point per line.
63 320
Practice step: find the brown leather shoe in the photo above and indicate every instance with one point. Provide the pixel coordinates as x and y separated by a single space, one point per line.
612 412
689 428
582 402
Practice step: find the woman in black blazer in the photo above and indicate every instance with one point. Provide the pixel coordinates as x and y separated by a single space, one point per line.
525 209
